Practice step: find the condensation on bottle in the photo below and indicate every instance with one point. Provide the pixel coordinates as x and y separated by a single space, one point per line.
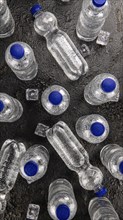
92 128
21 59
59 44
10 108
62 204
33 212
102 89
34 163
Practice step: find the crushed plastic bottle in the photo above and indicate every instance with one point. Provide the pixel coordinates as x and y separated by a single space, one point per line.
3 203
33 212
92 18
101 208
7 24
112 158
20 58
59 44
10 108
92 128
74 156
55 100
62 204
10 154
34 163
103 88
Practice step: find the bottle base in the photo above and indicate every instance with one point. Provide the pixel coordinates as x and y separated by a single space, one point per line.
8 34
87 39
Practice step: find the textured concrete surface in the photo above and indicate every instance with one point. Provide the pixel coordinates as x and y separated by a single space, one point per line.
102 59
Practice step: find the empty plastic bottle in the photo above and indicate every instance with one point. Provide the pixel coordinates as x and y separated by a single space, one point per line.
2 203
33 212
74 156
92 128
62 204
21 59
59 44
10 108
103 88
10 154
55 100
101 208
92 18
112 158
7 24
34 163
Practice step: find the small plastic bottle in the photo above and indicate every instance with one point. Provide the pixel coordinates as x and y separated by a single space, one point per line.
33 212
101 208
21 59
34 163
10 154
112 158
103 88
92 128
59 44
92 18
55 100
7 24
62 204
3 203
10 108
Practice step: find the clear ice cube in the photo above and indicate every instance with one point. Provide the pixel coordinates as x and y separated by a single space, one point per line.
85 51
41 130
32 94
103 38
33 212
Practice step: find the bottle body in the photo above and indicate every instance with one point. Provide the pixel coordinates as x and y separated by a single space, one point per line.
34 163
103 88
91 19
112 158
21 59
61 200
60 46
10 108
101 208
33 212
92 128
7 24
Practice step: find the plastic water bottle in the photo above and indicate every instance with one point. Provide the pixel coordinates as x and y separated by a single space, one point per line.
55 100
62 204
103 88
10 154
101 208
92 18
21 59
7 24
74 156
34 163
92 128
59 44
10 108
2 203
33 212
112 158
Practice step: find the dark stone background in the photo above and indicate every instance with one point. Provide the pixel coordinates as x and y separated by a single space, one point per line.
102 59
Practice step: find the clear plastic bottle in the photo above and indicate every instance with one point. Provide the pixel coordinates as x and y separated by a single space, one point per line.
92 18
3 203
62 204
92 128
34 163
10 108
55 100
112 158
33 212
103 88
59 44
21 59
74 156
102 209
7 24
10 154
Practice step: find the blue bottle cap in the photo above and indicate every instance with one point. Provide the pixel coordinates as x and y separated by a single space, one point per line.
17 51
55 97
1 106
63 212
121 167
31 168
35 8
99 3
97 129
102 192
108 85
